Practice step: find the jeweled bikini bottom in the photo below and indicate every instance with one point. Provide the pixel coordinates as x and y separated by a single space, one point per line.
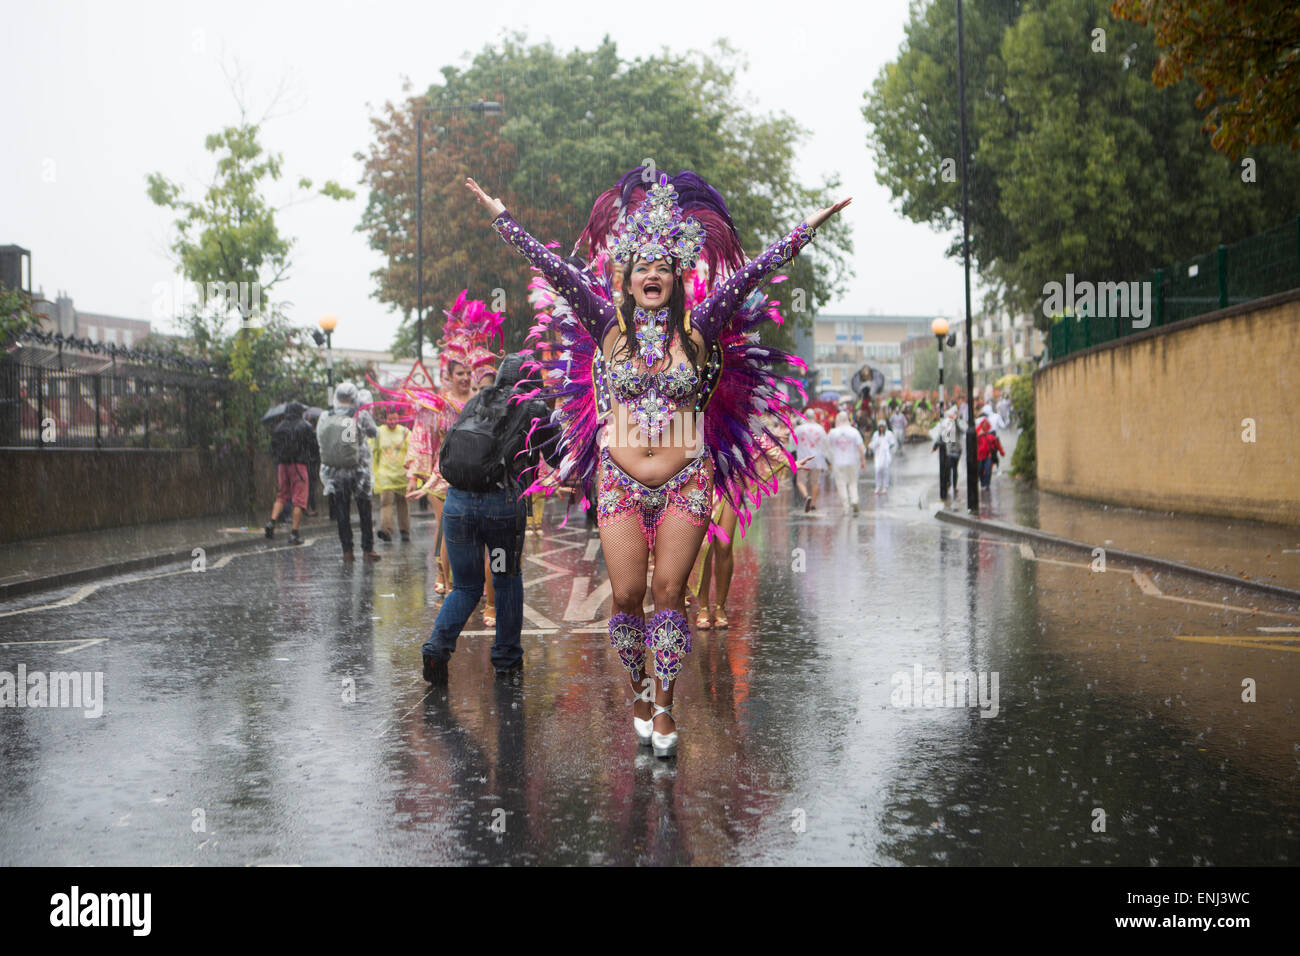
688 494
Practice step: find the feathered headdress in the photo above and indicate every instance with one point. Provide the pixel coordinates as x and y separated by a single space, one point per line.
468 336
680 216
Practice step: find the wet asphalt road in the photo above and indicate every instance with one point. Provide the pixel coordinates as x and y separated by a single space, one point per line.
270 710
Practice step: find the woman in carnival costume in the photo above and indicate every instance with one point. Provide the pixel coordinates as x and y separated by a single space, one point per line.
676 368
466 356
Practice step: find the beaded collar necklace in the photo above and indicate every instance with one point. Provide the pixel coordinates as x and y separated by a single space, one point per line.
651 334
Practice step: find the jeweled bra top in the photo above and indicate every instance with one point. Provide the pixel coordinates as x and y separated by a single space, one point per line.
653 396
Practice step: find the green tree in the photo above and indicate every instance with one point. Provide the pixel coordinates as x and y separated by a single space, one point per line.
16 315
1244 54
925 370
1024 460
1078 164
229 244
572 124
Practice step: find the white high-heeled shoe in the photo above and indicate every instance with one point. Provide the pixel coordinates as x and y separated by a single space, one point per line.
644 728
665 745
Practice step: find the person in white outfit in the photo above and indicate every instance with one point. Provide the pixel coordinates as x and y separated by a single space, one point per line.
995 418
882 450
898 424
1004 411
848 458
810 443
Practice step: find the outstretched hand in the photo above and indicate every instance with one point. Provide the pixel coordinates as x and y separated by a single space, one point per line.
821 215
495 206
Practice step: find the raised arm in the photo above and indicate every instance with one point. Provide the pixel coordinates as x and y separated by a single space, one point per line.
595 311
730 295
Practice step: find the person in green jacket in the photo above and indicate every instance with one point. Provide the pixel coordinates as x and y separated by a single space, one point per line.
390 475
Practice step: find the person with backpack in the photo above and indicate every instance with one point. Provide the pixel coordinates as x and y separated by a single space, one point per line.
292 443
483 459
343 434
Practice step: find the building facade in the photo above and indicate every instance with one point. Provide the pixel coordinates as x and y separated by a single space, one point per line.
840 345
63 318
1005 345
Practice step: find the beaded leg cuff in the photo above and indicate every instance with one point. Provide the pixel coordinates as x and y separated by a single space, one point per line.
670 636
627 637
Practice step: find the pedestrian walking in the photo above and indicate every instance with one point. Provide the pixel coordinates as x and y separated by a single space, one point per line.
1004 411
482 459
848 458
390 447
988 448
345 466
948 443
898 423
883 445
292 443
810 443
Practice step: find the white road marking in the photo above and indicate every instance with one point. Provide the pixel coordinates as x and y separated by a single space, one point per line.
583 604
84 592
538 618
1144 582
593 548
75 598
79 643
561 547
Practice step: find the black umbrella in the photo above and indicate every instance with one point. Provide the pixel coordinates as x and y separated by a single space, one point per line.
275 413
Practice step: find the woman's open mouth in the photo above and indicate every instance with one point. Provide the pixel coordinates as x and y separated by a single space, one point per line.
650 288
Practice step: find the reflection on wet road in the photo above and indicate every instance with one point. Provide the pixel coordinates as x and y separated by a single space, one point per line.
271 710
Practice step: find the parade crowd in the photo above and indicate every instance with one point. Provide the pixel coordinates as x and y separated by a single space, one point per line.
643 344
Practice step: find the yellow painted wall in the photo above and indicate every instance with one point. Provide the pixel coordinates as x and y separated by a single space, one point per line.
1157 420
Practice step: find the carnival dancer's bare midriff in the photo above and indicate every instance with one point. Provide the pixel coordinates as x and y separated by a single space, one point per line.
653 460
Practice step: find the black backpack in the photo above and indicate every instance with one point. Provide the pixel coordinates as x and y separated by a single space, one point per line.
478 452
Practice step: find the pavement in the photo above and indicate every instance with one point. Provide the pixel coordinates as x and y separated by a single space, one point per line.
40 564
1250 554
1245 553
270 710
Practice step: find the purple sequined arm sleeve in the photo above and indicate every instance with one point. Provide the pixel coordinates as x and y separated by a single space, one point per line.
595 311
713 313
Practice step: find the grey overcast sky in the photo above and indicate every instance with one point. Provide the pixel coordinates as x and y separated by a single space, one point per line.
98 95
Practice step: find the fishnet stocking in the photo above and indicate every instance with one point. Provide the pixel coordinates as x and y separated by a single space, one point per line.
676 544
627 558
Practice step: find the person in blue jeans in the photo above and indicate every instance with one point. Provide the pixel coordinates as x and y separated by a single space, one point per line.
473 521
493 519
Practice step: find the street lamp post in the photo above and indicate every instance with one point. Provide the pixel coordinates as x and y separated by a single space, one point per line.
972 466
327 323
940 329
420 111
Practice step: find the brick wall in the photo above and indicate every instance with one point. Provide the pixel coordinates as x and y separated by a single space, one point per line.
55 491
1156 420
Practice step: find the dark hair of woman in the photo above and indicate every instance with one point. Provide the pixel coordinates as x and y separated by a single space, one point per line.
676 319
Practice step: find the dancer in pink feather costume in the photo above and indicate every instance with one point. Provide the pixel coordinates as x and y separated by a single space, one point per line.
660 389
